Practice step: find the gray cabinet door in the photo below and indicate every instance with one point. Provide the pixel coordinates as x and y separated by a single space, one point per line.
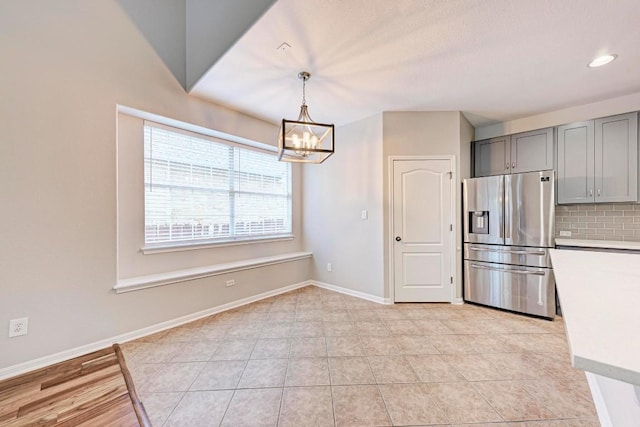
616 158
532 151
575 163
492 156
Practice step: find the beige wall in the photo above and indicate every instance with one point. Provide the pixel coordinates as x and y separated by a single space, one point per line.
429 134
65 67
335 194
609 107
356 178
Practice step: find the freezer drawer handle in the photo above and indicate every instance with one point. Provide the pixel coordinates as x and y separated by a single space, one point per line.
540 294
540 253
506 270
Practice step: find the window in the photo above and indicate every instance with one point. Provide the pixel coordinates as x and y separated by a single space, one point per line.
199 189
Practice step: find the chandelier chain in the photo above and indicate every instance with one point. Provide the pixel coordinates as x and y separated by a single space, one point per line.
304 91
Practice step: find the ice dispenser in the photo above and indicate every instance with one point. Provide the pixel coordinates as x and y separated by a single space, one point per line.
479 222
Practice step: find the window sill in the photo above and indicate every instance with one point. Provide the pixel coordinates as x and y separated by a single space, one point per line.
161 279
176 247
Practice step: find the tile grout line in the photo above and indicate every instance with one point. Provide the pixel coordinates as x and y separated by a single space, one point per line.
185 392
281 400
226 409
333 406
487 400
385 404
377 385
439 407
174 408
237 384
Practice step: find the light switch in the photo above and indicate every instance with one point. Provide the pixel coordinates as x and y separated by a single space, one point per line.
365 214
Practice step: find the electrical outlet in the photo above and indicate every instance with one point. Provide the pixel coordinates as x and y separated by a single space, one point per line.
365 215
565 234
230 283
18 327
329 267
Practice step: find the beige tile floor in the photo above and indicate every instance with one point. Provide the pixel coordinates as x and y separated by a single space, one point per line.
313 357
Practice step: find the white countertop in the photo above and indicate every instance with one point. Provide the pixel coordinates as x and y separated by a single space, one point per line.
605 244
600 297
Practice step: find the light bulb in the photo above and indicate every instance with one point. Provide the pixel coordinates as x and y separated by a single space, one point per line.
314 141
296 140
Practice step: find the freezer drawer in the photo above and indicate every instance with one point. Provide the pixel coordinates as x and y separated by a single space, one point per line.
514 255
523 289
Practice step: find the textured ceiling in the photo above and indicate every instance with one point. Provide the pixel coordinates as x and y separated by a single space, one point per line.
495 60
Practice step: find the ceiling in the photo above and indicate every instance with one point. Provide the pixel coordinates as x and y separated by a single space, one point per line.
495 60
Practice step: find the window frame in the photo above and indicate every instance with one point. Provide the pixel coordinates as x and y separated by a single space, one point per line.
194 244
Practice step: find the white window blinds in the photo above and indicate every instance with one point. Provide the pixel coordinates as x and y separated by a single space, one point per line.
198 189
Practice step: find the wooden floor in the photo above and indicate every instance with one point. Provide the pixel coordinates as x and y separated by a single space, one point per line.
91 390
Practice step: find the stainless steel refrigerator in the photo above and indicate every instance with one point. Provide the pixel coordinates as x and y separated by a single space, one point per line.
509 223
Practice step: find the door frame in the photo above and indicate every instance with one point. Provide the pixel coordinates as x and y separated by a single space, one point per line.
454 232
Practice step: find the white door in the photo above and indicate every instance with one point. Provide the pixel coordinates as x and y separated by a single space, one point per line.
422 222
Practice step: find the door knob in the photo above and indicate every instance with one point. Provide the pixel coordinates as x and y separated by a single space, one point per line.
398 238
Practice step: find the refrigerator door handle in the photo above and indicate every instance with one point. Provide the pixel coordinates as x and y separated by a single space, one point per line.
506 270
540 253
501 222
507 211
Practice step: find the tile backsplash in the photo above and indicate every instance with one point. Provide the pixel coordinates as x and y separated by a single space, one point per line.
603 221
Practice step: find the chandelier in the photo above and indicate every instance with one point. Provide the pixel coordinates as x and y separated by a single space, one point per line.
304 140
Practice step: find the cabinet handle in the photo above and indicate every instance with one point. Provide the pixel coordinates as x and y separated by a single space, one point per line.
591 193
513 165
598 192
507 165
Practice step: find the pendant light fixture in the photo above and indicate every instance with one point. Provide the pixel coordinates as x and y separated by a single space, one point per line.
304 140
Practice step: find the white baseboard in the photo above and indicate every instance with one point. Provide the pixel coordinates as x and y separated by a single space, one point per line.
51 359
457 301
351 292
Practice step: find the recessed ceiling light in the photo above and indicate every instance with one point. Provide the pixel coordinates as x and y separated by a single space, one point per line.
602 60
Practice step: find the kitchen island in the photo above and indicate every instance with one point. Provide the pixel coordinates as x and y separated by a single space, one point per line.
599 294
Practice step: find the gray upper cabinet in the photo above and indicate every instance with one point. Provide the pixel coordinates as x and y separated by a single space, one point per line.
532 151
522 152
492 156
598 160
616 158
575 163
